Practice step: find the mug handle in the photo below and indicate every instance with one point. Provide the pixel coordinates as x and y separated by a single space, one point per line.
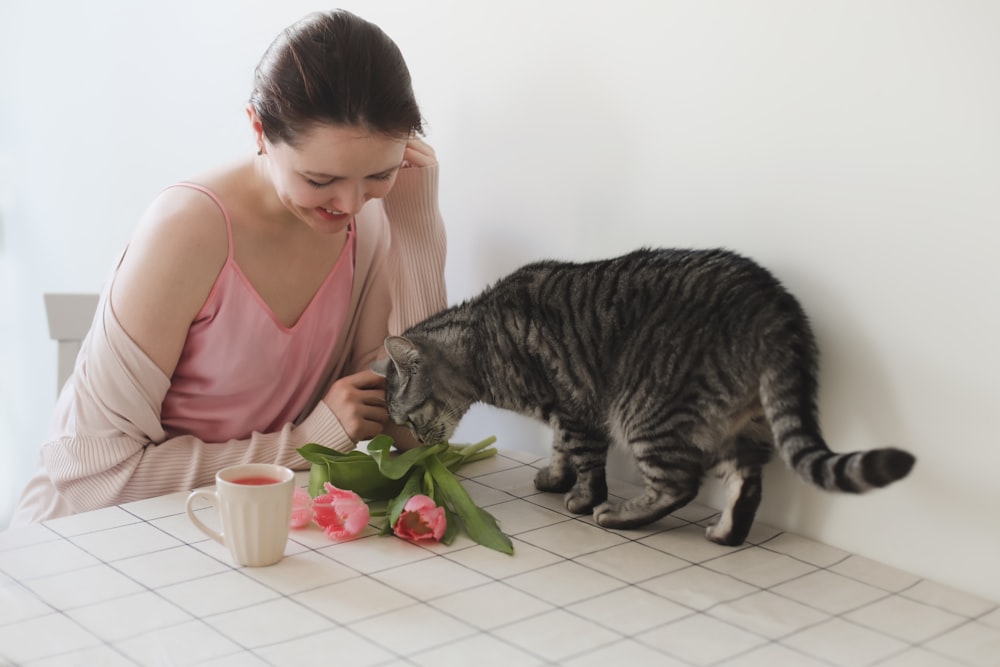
211 497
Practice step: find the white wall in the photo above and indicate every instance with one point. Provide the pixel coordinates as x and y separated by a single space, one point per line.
851 146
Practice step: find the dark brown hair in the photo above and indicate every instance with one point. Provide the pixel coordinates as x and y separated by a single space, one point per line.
333 68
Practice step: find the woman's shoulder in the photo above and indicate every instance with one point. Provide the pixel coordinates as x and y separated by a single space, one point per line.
191 218
182 227
168 270
184 207
199 207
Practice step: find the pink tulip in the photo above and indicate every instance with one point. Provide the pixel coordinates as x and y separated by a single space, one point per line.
341 514
421 519
301 508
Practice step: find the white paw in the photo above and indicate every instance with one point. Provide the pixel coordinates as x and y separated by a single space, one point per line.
713 532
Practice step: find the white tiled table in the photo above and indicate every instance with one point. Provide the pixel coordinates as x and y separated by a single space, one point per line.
138 584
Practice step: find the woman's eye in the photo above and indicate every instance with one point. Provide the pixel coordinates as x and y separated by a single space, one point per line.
377 177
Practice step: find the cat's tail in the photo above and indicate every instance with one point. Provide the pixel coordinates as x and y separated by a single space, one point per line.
790 407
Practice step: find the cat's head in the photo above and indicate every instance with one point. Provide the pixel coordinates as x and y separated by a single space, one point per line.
424 391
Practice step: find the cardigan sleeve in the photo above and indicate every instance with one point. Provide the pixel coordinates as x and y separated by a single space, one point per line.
417 248
407 275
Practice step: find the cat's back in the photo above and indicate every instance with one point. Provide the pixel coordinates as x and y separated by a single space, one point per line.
680 273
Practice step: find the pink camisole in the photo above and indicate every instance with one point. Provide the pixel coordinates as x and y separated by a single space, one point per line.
241 370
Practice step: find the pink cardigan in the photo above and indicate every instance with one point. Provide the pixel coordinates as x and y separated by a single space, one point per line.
106 445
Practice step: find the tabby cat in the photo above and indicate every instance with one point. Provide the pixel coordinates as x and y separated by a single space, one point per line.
694 360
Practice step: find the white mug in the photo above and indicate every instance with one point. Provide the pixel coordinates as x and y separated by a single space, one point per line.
254 501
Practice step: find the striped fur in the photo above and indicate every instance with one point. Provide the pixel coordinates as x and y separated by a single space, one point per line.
694 360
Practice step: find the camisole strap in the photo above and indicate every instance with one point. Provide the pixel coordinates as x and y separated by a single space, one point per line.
218 202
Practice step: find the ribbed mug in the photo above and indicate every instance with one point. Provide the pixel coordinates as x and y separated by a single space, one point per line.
254 503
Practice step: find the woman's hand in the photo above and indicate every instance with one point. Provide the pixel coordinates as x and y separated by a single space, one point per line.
358 401
418 153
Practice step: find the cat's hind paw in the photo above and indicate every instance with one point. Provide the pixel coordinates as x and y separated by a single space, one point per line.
548 482
719 534
610 515
725 533
638 511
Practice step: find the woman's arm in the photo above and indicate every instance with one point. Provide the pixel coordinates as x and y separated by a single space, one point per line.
168 271
410 281
107 445
418 244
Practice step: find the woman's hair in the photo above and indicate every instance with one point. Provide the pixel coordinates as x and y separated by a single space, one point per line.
333 68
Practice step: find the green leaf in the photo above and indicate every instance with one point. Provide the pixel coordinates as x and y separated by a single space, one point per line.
315 453
459 455
410 489
354 471
429 485
469 451
377 508
318 475
453 526
396 466
480 525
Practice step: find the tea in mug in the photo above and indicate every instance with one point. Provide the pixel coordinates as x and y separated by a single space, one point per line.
255 481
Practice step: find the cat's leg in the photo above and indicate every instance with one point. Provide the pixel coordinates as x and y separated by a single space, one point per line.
743 493
577 468
591 488
672 473
559 476
740 470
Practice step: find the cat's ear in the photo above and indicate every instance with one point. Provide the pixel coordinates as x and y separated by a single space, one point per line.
403 352
379 367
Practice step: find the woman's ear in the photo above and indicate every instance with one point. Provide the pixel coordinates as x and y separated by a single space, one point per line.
258 128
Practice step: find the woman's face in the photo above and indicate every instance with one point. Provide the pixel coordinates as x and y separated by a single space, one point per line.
335 170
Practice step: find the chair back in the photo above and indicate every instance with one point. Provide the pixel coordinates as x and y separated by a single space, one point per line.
70 316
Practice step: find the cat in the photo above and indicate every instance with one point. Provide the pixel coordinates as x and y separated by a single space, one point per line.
694 360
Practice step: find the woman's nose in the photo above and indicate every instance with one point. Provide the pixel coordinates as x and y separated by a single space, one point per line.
349 198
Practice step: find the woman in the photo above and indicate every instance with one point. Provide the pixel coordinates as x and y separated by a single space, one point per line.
241 320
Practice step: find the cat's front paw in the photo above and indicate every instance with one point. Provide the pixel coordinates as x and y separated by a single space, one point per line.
550 482
580 503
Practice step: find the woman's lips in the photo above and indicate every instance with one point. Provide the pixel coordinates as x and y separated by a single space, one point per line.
327 214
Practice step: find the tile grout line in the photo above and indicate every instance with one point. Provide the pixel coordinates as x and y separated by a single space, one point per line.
156 590
624 584
830 616
109 564
888 594
417 602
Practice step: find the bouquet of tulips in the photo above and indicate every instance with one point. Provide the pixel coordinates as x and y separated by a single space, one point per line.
415 490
